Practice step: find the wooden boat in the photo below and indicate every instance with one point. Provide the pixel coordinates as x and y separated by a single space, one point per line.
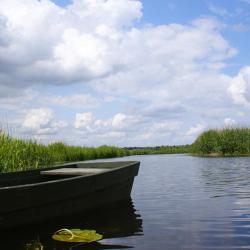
37 195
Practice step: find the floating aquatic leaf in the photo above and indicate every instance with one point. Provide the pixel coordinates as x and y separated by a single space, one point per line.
76 235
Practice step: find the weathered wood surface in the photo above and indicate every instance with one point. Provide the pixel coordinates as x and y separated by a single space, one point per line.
74 171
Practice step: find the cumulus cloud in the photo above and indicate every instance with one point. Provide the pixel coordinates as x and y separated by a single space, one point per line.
119 121
42 121
84 120
91 39
62 45
169 59
98 130
125 127
240 88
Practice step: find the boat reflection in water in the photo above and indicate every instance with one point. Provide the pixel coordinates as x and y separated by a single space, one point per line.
119 220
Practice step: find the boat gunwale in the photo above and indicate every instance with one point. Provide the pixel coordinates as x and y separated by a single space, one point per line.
67 179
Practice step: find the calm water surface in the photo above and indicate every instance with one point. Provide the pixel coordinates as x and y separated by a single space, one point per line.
178 202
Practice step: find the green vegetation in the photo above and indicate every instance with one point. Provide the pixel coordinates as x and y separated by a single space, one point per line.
76 235
223 142
180 149
17 155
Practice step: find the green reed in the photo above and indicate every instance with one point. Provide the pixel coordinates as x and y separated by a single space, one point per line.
19 155
16 154
225 142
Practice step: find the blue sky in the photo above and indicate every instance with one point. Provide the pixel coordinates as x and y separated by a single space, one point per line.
123 72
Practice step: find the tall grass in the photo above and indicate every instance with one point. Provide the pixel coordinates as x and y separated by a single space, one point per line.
225 142
17 155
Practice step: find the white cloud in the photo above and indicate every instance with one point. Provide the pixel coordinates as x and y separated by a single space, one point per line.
42 121
84 120
82 52
239 89
121 121
118 122
113 13
62 45
128 128
91 39
167 60
38 118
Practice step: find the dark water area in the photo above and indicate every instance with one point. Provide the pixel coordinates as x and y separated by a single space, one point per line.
118 220
178 202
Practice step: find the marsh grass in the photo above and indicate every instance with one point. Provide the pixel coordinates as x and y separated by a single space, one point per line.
16 154
19 155
223 142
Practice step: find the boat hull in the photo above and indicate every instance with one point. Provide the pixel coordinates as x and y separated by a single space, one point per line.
37 202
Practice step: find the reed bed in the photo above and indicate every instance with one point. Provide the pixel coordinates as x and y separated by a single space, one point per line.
223 142
19 155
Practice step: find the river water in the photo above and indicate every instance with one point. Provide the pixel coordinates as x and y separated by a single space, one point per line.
178 202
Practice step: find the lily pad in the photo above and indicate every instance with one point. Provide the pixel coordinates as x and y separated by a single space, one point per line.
76 235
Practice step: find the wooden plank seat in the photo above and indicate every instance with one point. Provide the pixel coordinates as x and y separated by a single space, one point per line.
73 171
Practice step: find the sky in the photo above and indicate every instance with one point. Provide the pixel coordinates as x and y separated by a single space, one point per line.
123 72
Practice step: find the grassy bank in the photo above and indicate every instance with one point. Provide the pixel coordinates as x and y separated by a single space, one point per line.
223 142
17 154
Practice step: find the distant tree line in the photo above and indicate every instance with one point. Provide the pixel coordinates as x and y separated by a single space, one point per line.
180 149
